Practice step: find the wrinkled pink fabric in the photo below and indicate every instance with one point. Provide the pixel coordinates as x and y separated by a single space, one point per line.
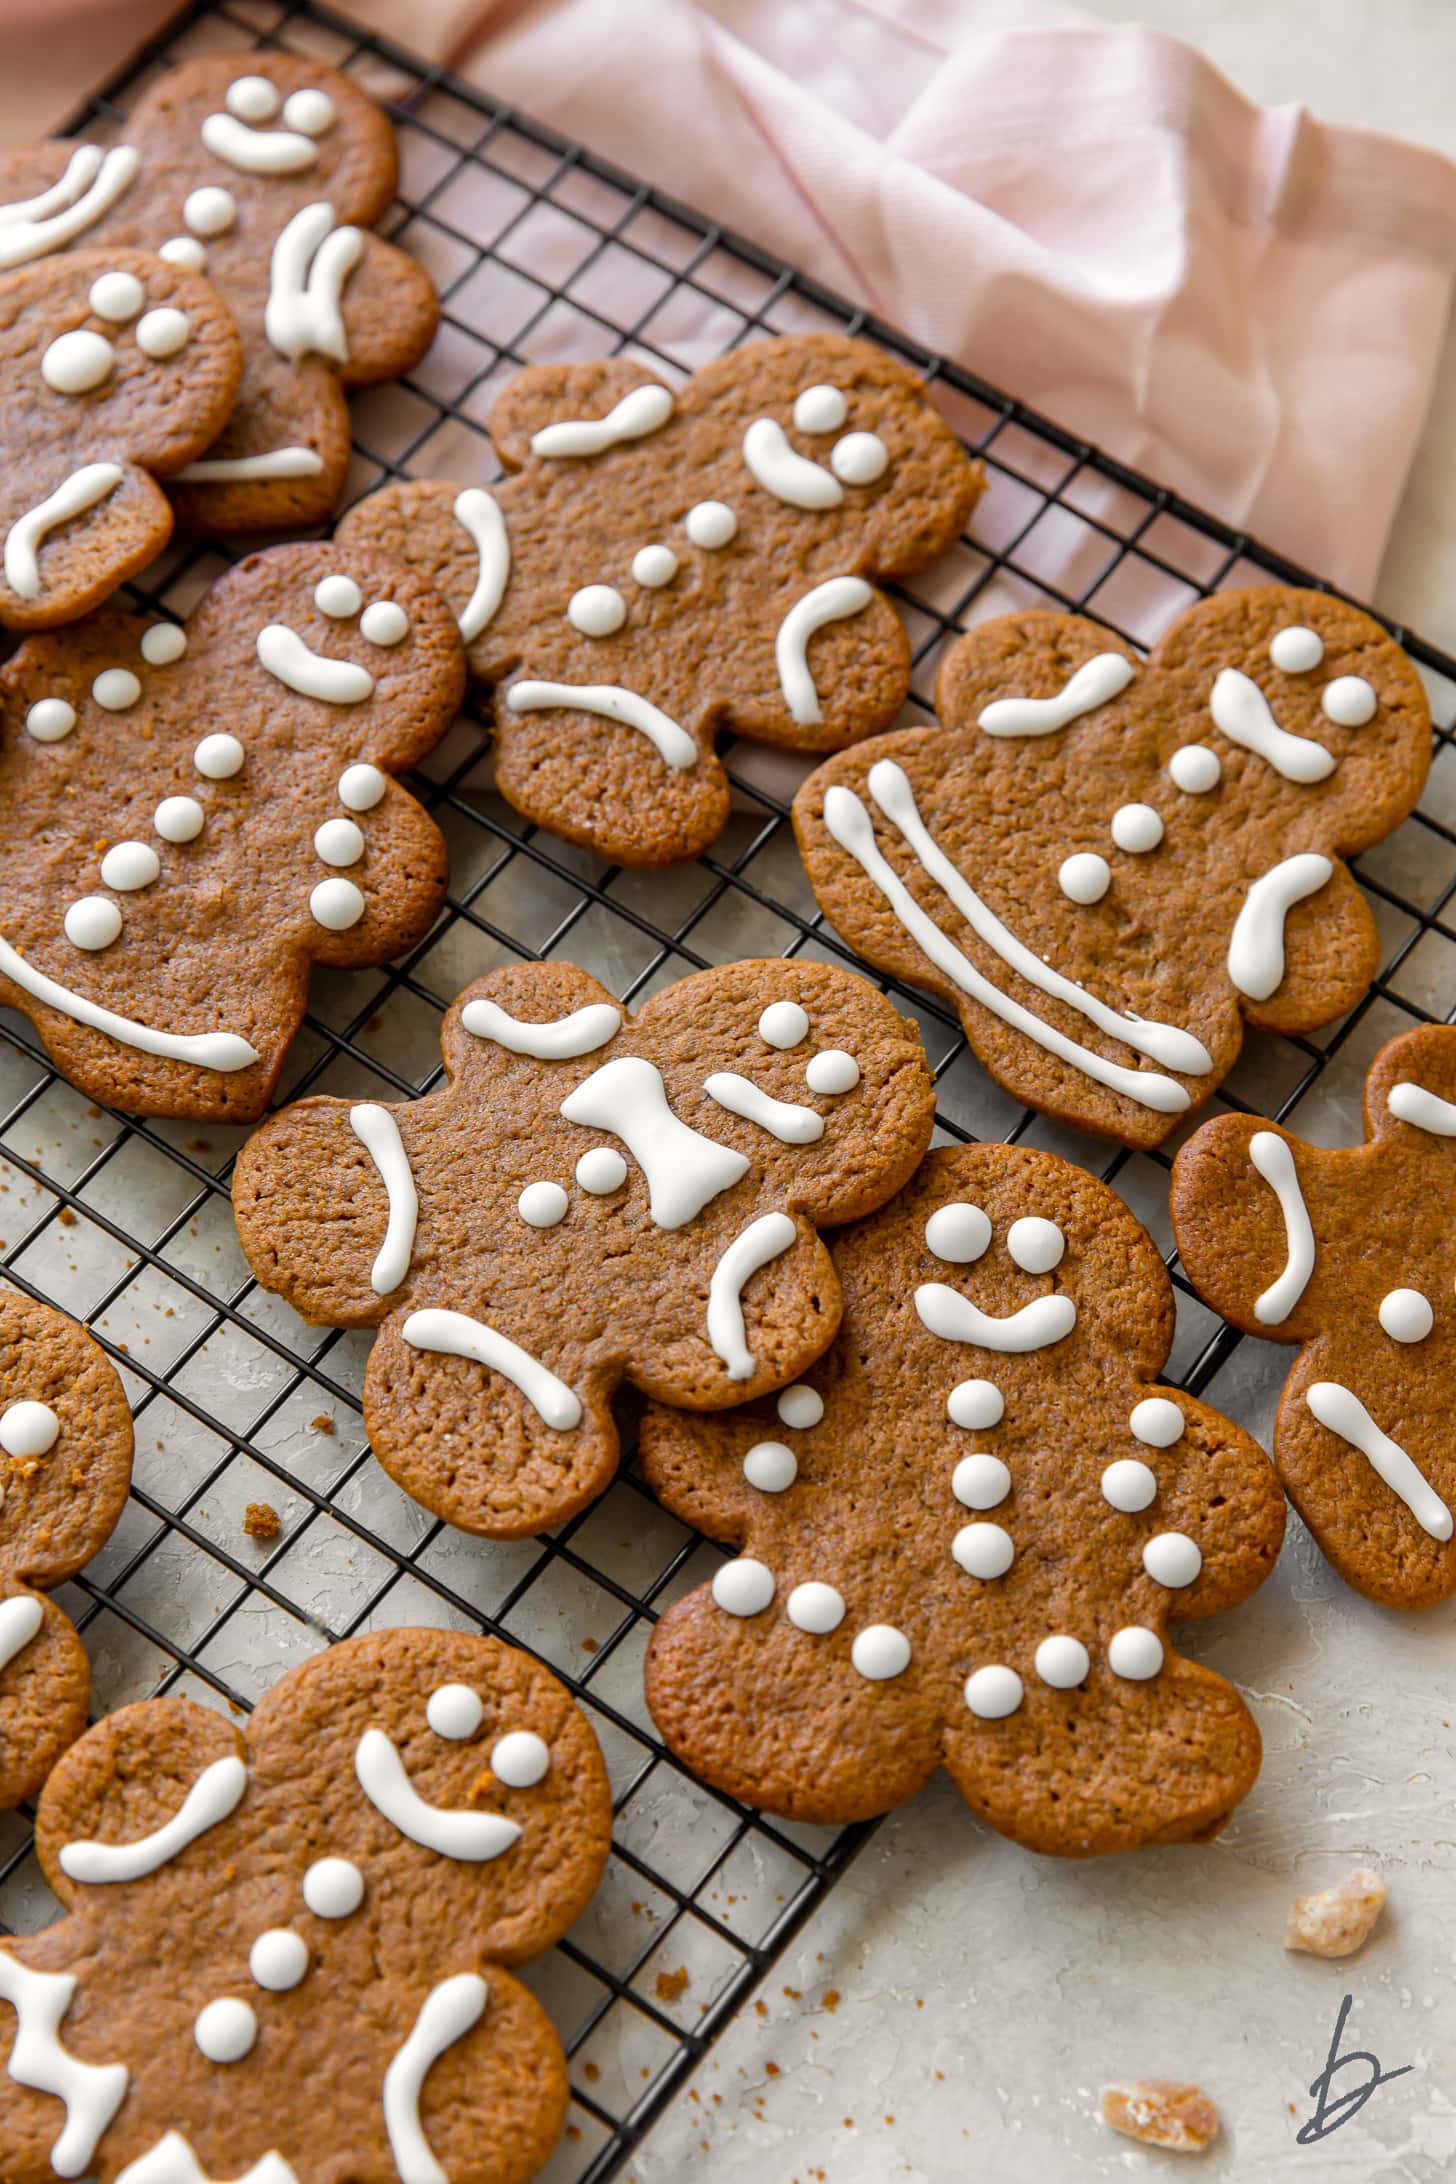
1248 304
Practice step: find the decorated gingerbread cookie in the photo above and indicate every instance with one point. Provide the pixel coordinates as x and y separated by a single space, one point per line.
964 1535
65 1465
266 171
1349 1254
588 1199
116 369
1110 865
191 815
283 1954
662 567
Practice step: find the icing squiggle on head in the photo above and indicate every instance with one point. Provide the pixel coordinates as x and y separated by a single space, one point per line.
1423 1110
1241 712
1095 682
275 462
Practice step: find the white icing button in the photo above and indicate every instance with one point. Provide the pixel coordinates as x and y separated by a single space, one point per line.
880 1652
993 1693
1195 769
93 922
336 905
252 98
654 566
184 250
50 719
519 1759
1172 1559
800 1406
178 819
601 1170
163 643
832 1071
1035 1245
1136 828
597 610
1135 1653
225 2031
1062 1662
75 363
976 1404
958 1233
744 1587
333 1888
278 1959
983 1550
980 1482
1129 1485
1296 649
783 1024
820 409
453 1710
338 842
859 458
210 211
218 757
28 1429
1084 878
337 596
116 689
1349 701
818 1609
310 111
1406 1315
360 787
1156 1422
385 623
162 333
711 524
542 1204
771 1467
116 296
129 865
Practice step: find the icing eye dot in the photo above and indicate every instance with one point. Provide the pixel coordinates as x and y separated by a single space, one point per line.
28 1429
1135 1653
162 333
1036 1246
339 842
310 111
832 1071
859 458
336 905
771 1467
1195 769
360 787
333 1888
980 1482
50 719
116 296
1172 1559
983 1550
820 409
210 211
993 1693
93 922
218 758
519 1759
163 643
976 1404
278 1959
597 610
116 689
542 1204
454 1711
601 1171
654 566
1349 701
783 1024
880 1652
1129 1485
75 363
337 596
1156 1421
711 524
816 1608
178 819
1137 828
252 98
1084 878
385 623
184 250
1406 1315
800 1406
744 1587
1296 650
959 1233
130 865
1062 1662
225 2031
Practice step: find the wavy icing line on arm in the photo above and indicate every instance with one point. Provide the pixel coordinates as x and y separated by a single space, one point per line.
456 1334
1423 1110
1256 961
946 1313
451 2010
479 513
378 1133
566 1039
39 225
219 1050
642 411
215 1794
91 2092
273 462
833 601
78 493
764 1239
609 701
1273 1160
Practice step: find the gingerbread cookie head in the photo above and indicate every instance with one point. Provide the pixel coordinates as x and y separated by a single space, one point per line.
267 172
964 1536
324 1901
65 1465
190 816
588 1199
1110 865
1349 1254
661 567
116 369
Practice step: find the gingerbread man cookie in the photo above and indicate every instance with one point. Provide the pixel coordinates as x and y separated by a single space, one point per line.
116 369
965 1534
65 1465
1109 865
662 567
283 1954
190 816
589 1199
1348 1253
267 171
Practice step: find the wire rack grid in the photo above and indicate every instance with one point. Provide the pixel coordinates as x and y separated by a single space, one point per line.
541 250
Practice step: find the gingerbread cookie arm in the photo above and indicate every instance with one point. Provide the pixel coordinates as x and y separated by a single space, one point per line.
538 417
457 537
281 461
324 1199
1244 1200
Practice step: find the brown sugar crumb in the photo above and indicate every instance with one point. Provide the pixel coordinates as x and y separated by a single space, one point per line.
66 1215
671 1986
591 2072
484 1785
793 1994
1335 1922
771 2070
831 1999
588 1645
261 1520
760 2009
323 1423
1157 2112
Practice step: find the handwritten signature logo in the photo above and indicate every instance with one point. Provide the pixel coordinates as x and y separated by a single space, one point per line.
1330 2109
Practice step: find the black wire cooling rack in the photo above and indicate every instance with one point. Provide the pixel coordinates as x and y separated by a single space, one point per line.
541 250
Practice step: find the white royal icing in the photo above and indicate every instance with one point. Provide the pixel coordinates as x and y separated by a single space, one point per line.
451 2010
1423 1110
880 1652
384 623
210 211
361 787
859 458
378 1133
786 1120
610 701
478 512
771 1466
50 720
310 110
220 1050
162 333
82 490
1137 828
783 1024
994 1692
28 1429
781 470
116 689
184 250
1343 1413
958 1233
815 1607
219 757
1273 1160
820 408
333 1888
684 1169
1062 1662
542 1205
980 1481
278 1960
654 566
983 1550
471 1838
312 260
800 1406
76 362
92 182
163 643
128 866
336 904
456 1334
1406 1315
1096 681
92 2092
1296 650
833 601
1256 948
252 98
296 665
226 2030
453 1710
764 1239
172 2161
20 1619
1156 1421
1129 1485
743 1587
976 1404
257 151
644 410
1195 769
1135 1653
1172 1559
338 842
217 1792
276 462
1349 701
831 1072
1241 711
597 610
946 1313
1085 877
569 1037
1035 1245
92 923
520 1759
711 524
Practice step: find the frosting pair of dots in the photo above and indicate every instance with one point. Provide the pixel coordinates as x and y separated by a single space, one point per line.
599 610
81 360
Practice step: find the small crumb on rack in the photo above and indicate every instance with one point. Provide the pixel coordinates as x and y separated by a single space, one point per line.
323 1423
1335 1922
261 1520
1157 2112
671 1986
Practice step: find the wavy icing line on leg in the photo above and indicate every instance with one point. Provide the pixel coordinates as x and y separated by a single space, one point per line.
1273 1160
172 2161
456 1334
223 1051
1341 1412
91 2092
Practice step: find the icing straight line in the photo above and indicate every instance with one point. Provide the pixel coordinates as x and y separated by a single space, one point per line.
946 1313
312 260
456 1334
830 602
172 2161
1097 680
1343 1413
276 462
220 1050
1274 1161
82 490
478 512
1424 1110
42 224
1241 711
20 1619
451 2010
378 1133
1256 947
644 410
764 1239
472 1838
582 1032
610 702
92 2092
216 1793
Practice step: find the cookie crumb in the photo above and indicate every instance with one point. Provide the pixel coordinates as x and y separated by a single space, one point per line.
829 2000
671 1986
1158 2112
261 1520
323 1423
1335 1922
